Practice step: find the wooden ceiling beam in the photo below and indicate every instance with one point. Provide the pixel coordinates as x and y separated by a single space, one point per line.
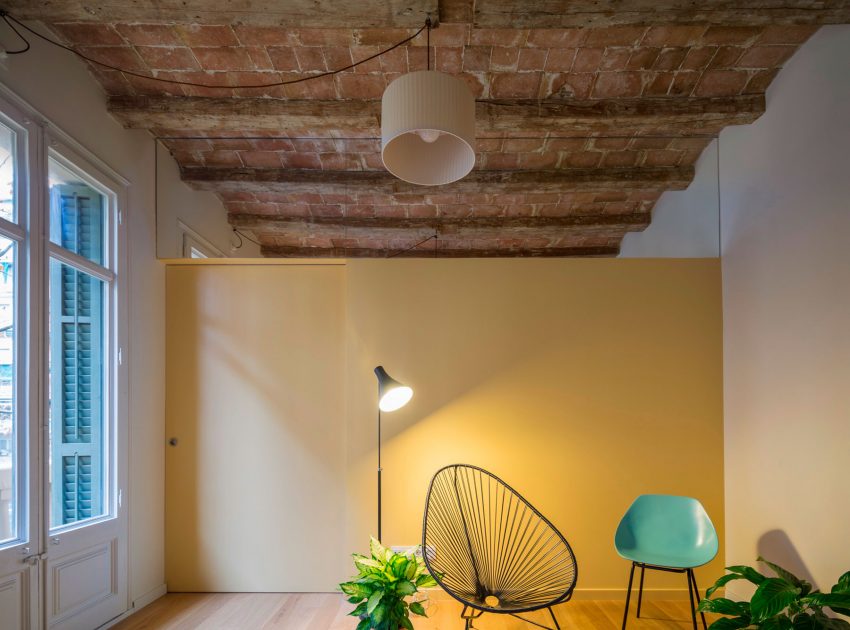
412 13
269 223
616 116
280 251
295 181
584 13
292 13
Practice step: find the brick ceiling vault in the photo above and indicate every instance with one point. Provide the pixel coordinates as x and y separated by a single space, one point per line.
587 110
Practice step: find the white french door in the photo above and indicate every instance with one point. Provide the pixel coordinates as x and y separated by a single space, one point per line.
63 526
20 439
86 563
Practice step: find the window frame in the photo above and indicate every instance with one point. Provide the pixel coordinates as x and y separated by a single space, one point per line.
113 273
24 468
192 241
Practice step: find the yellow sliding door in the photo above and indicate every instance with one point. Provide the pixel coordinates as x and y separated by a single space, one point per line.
255 454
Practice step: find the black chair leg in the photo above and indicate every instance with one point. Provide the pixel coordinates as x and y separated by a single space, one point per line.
691 597
629 595
554 618
693 578
640 590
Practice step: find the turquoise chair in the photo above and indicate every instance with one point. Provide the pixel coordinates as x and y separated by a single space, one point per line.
666 533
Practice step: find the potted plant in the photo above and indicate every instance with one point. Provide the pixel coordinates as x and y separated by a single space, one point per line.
784 602
383 584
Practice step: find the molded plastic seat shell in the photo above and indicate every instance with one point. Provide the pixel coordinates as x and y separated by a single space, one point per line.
666 531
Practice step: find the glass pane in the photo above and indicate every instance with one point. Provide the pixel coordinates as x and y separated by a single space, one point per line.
77 432
7 173
10 463
76 214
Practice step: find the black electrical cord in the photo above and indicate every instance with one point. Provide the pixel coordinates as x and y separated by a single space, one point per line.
412 247
26 47
9 19
240 235
428 45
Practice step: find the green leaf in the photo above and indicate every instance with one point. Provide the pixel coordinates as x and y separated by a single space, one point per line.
425 581
411 569
368 567
356 589
723 581
771 598
839 602
748 573
804 622
373 602
417 609
378 551
776 623
379 614
398 565
783 574
359 610
405 587
405 621
843 584
364 624
827 623
730 623
724 606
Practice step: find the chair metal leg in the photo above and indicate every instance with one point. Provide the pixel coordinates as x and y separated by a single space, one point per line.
628 596
470 616
554 619
640 590
691 596
693 578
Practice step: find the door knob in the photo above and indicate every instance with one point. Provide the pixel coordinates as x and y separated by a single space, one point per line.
172 441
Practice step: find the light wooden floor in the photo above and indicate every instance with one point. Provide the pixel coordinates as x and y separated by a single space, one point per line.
247 611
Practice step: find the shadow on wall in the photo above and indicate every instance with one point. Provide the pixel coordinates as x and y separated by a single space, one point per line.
778 548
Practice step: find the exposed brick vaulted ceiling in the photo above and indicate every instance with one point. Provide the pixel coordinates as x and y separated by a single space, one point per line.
587 111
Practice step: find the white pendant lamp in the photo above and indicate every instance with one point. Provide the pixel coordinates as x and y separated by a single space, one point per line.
428 128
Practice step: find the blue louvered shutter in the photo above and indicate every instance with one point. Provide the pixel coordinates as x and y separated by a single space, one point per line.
76 346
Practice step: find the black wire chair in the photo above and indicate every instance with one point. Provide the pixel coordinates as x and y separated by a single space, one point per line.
491 549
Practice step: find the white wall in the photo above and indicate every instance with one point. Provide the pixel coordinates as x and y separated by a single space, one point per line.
684 222
59 87
202 212
786 288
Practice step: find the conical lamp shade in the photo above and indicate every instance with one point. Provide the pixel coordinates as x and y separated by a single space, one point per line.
392 395
428 128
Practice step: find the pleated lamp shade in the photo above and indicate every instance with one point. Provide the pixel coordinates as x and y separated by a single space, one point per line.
428 128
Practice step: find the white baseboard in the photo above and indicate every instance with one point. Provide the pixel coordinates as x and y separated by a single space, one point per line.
139 603
149 597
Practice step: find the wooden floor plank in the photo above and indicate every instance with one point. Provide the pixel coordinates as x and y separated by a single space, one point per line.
323 611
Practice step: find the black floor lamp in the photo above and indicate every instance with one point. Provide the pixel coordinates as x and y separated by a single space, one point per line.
392 395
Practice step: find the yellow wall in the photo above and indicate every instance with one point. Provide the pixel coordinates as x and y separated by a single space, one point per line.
581 382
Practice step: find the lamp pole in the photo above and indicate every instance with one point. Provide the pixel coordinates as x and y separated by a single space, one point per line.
379 468
392 395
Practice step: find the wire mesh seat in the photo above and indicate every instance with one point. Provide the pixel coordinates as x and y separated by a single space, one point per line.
491 549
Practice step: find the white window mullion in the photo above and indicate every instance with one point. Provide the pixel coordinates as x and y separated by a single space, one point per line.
82 264
12 230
